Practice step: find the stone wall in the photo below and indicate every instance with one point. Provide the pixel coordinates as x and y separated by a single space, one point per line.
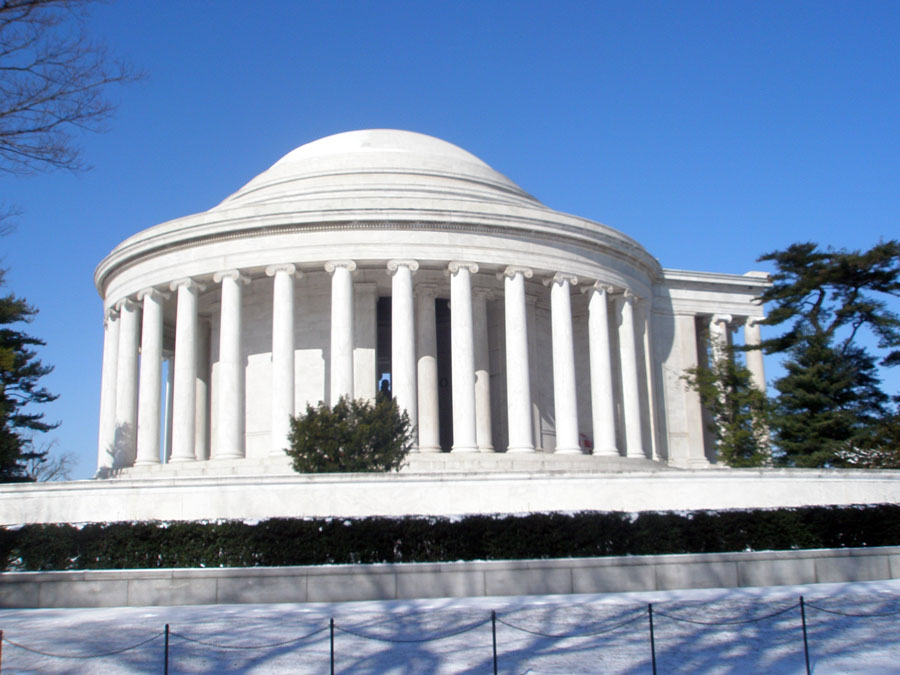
337 583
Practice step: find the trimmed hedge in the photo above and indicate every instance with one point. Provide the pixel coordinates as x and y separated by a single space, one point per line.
316 541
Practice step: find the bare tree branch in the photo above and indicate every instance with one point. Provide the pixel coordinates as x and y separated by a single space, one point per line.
53 79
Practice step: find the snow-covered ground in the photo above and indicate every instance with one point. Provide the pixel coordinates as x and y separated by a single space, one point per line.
750 630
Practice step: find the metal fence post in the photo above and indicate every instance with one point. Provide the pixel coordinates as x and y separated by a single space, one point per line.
166 658
332 645
494 637
652 638
805 641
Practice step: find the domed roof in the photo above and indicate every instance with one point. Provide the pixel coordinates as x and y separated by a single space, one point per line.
354 163
379 181
380 140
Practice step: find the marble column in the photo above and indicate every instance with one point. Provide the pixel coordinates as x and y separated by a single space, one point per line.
230 375
753 338
282 354
603 406
646 321
170 403
403 337
564 390
341 328
201 398
427 373
127 384
462 348
631 403
148 426
184 398
518 374
482 371
107 434
719 326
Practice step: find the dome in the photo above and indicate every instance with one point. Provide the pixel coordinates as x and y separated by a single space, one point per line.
384 163
365 188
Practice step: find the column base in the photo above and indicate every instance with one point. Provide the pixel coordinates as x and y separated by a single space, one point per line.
432 449
636 455
606 452
229 455
486 449
567 451
524 449
464 448
181 460
146 462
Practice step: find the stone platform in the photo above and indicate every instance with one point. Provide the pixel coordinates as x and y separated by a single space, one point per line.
416 463
511 489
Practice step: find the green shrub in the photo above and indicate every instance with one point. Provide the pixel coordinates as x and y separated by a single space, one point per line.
354 435
319 541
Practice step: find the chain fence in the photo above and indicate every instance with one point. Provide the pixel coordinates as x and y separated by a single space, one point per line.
650 614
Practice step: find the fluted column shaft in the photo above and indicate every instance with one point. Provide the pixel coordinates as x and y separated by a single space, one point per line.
127 384
148 427
630 378
482 371
603 408
184 382
752 338
107 435
564 392
230 375
403 337
462 346
341 328
518 374
427 373
282 354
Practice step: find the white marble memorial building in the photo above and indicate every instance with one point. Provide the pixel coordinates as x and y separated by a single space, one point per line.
390 258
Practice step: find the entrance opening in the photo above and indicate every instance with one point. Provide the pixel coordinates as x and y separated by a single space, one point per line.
383 345
445 373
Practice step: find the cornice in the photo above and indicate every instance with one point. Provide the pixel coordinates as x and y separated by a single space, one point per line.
619 246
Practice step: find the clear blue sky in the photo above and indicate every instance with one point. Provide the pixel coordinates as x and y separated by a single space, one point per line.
710 131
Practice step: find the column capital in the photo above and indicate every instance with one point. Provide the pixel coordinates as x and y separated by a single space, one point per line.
754 321
721 318
234 275
560 278
152 293
289 268
332 265
600 287
127 304
456 265
111 314
512 270
187 282
629 296
393 265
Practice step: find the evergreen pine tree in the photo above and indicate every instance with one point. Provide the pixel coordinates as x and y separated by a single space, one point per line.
827 405
20 373
739 410
830 407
